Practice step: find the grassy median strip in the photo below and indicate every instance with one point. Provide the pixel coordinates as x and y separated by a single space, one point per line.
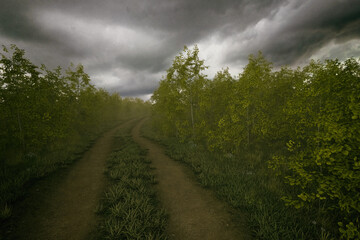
129 208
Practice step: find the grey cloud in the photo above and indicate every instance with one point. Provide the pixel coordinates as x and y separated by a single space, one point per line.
136 87
315 24
15 23
133 92
296 29
339 50
185 22
152 62
186 15
18 23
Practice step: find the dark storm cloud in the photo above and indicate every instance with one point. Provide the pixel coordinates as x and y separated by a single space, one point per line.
307 26
131 43
314 26
191 18
17 24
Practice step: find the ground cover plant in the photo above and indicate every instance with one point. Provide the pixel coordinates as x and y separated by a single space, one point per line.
129 208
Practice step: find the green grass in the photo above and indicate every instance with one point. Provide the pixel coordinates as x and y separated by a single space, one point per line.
246 184
129 208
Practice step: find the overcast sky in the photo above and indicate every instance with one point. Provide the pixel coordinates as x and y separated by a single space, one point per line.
127 45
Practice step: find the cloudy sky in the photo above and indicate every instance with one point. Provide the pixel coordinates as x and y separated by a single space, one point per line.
127 45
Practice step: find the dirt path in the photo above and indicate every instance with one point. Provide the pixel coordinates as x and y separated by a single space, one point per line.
68 211
194 213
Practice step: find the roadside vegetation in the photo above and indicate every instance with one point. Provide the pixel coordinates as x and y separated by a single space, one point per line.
281 144
48 119
247 187
129 208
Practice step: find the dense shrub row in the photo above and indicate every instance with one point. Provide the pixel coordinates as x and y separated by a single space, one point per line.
307 120
47 118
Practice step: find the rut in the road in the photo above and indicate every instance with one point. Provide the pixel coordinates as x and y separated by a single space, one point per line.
194 213
68 212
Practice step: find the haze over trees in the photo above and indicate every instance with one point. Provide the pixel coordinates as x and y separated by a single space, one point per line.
47 116
41 108
303 125
308 119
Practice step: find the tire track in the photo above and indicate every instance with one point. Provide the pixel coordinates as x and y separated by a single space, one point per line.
68 211
194 213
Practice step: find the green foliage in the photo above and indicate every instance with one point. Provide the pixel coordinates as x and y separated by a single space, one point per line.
215 107
323 160
40 107
307 118
46 117
5 212
177 99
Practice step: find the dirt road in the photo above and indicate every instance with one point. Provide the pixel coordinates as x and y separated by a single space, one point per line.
194 213
63 207
67 209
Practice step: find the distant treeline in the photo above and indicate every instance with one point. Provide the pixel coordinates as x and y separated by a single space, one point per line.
307 118
43 111
48 118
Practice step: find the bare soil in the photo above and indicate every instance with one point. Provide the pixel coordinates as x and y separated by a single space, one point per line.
63 206
194 212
